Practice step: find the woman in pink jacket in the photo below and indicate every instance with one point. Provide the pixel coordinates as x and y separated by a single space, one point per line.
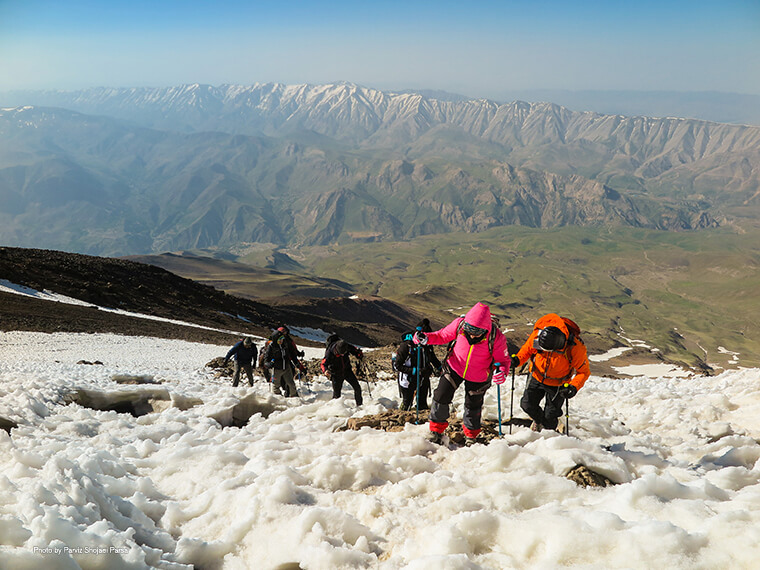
471 360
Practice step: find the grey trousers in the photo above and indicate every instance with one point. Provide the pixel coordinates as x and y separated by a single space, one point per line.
283 379
248 368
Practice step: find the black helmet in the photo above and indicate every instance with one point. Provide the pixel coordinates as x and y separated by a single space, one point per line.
550 338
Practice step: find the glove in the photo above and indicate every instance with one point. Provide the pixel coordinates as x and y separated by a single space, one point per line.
419 338
568 391
514 361
499 377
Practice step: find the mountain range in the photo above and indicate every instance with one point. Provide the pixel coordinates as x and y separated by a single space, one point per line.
132 171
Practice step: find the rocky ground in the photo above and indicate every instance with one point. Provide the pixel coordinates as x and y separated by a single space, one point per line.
150 290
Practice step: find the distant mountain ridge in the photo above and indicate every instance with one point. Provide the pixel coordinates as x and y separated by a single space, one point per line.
200 166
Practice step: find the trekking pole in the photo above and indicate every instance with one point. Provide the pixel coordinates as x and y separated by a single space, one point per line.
512 401
417 419
567 415
366 378
498 397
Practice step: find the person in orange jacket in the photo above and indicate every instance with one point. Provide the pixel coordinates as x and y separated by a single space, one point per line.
558 368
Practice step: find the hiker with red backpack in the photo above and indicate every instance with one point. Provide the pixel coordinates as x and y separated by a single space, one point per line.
558 369
476 345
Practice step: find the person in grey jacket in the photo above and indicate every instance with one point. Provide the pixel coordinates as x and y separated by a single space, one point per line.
244 354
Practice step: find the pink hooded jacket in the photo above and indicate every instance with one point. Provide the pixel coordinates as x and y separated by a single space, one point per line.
473 362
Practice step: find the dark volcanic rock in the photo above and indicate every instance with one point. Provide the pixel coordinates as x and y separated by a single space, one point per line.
150 290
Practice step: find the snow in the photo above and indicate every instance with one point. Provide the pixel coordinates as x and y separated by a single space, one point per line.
8 287
82 488
662 369
610 354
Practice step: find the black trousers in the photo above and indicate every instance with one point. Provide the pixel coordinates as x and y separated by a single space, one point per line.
407 394
474 393
535 391
337 380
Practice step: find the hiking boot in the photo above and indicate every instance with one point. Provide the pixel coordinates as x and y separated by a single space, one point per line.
435 437
470 441
537 427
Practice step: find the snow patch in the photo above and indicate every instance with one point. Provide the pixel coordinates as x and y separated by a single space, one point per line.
610 354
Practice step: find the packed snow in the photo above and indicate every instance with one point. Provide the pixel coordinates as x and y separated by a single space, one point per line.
183 487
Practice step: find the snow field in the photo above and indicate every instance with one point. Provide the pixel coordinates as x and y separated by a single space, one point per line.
82 488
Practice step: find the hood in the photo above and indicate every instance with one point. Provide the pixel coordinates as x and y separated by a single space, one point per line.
479 316
552 320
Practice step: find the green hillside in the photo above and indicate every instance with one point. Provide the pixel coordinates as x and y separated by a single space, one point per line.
692 295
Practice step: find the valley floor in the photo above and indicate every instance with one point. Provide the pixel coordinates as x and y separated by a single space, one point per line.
174 488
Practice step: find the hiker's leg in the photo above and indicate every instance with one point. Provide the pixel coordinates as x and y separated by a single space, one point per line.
531 400
442 397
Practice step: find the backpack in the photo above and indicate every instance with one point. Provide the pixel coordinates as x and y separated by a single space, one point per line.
574 330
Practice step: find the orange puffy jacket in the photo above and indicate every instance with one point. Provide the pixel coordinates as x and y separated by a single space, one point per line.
556 368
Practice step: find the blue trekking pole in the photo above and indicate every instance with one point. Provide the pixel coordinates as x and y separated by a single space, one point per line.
498 396
419 356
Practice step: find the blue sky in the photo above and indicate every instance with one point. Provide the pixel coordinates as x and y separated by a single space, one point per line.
479 49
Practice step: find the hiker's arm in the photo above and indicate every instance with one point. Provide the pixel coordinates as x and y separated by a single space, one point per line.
579 361
446 334
501 352
527 349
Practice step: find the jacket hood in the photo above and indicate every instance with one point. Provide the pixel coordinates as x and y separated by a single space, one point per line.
552 320
479 316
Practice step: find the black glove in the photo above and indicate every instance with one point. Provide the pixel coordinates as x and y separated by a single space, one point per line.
568 391
514 361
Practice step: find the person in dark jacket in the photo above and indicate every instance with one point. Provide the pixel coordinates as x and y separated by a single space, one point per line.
405 363
243 353
337 367
282 359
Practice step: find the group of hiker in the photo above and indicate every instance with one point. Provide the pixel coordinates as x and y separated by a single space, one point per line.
280 362
477 356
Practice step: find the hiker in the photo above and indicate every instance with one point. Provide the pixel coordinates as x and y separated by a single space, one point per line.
558 369
281 357
337 367
476 343
405 363
243 353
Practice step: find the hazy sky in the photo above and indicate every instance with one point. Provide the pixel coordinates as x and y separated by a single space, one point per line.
479 49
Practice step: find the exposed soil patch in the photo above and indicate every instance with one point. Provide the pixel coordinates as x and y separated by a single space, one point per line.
396 420
582 475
